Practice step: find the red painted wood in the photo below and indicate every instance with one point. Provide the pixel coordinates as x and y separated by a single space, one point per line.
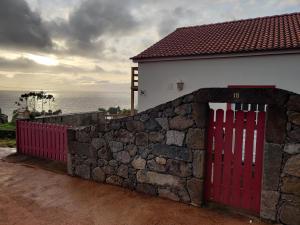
237 159
208 184
42 140
257 181
226 179
247 176
218 155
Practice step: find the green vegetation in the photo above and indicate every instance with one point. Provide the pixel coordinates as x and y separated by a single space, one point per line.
8 126
36 104
11 143
115 111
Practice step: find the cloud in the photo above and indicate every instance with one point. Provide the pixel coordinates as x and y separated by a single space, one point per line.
20 27
25 65
92 23
170 19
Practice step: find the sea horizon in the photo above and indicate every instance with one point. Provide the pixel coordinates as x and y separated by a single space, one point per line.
70 101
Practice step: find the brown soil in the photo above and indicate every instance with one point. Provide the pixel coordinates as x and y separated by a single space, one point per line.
35 196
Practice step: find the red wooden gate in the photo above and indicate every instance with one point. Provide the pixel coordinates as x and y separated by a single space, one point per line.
42 140
234 159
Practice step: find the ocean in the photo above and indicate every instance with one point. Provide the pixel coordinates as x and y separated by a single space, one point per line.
71 102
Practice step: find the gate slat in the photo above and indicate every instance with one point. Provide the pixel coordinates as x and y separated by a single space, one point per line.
217 172
258 161
42 140
247 176
208 187
227 157
237 158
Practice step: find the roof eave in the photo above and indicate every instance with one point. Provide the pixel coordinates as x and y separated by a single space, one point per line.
136 59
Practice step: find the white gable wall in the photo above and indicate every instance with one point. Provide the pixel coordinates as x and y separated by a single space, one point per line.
158 79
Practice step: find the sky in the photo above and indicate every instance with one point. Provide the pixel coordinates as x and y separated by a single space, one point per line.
85 45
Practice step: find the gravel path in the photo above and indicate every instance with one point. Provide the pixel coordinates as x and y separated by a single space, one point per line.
35 196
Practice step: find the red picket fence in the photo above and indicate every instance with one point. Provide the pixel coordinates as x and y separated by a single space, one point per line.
234 159
42 140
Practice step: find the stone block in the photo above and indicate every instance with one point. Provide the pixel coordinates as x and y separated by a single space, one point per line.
132 149
179 168
141 139
123 157
115 146
138 163
271 166
158 179
292 148
294 103
295 118
98 174
195 189
172 152
154 166
294 135
292 166
104 153
291 185
200 114
175 137
290 214
146 188
269 201
276 124
109 170
78 148
113 163
98 143
115 180
163 122
184 195
70 165
83 171
161 160
83 135
196 138
180 123
198 163
124 136
152 125
183 110
166 193
156 137
123 171
135 125
102 162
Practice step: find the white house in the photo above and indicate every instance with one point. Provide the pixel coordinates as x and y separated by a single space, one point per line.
261 52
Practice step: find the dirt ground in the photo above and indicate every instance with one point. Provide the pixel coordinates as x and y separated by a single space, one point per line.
33 195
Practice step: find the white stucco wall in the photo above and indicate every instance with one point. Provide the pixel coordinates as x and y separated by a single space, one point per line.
158 79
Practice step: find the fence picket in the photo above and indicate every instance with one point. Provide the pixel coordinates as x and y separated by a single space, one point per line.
42 140
218 154
237 157
247 176
227 157
208 182
258 161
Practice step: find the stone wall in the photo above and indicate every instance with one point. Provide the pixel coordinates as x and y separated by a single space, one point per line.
158 152
73 119
281 180
161 151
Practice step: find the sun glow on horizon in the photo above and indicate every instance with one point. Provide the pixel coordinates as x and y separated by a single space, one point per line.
44 60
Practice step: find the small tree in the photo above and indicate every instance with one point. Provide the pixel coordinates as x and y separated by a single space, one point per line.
32 101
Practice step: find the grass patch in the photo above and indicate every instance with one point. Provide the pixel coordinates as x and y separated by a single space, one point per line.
7 126
11 143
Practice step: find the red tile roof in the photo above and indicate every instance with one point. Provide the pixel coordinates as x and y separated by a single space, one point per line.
281 32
